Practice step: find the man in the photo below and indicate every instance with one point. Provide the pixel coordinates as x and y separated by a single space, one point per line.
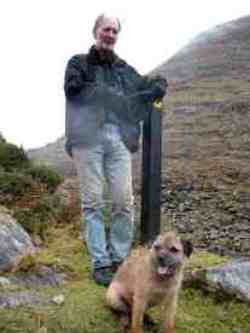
105 101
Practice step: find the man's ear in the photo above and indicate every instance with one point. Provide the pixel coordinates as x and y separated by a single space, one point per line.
187 247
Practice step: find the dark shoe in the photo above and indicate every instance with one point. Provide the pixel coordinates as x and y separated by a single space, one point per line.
115 266
103 275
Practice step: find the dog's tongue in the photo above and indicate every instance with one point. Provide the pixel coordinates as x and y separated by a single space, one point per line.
162 270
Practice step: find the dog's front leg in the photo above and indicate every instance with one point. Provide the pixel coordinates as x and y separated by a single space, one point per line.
170 311
138 309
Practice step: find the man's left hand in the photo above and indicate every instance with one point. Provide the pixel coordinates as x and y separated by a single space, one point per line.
159 87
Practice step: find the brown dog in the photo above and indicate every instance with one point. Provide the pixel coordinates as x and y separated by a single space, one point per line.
146 280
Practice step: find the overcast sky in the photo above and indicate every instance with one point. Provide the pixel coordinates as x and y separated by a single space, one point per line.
39 36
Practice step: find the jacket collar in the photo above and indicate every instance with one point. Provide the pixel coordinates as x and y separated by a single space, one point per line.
95 57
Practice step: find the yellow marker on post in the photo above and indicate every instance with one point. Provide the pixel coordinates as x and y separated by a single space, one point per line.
158 105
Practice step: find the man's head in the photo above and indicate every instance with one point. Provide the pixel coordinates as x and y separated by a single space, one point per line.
106 31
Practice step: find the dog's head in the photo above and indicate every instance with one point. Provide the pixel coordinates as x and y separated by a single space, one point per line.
169 254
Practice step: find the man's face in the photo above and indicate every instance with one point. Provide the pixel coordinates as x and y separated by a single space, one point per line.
106 34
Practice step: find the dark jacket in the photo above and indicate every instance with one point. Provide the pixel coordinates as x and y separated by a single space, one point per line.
103 89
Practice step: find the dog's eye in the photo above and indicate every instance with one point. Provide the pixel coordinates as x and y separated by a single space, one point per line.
174 249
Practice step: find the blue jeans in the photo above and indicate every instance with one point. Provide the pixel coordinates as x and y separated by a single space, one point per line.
110 160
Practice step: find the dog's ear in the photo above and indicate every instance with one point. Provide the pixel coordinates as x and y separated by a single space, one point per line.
187 247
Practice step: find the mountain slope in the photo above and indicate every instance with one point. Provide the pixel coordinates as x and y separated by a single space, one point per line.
207 124
54 154
221 52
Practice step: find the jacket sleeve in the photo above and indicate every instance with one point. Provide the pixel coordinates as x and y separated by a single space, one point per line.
150 88
74 77
154 88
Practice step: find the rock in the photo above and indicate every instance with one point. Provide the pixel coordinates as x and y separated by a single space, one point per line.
232 279
42 330
15 243
237 330
59 299
13 300
4 281
245 245
42 277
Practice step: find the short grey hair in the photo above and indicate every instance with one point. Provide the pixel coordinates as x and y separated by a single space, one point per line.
99 20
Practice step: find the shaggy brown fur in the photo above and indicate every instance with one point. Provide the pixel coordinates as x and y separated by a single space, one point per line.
148 279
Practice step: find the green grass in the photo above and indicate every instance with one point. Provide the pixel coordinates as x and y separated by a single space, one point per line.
200 312
84 309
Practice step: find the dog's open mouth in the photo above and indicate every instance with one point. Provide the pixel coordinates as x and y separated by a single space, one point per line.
166 271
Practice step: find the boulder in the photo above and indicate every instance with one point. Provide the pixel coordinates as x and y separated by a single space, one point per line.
15 243
231 279
21 298
43 276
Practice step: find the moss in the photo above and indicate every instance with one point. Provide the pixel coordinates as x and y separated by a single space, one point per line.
64 250
44 211
45 175
33 223
199 312
204 259
27 264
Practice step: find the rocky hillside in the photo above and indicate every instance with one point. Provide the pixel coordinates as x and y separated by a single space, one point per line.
206 128
206 138
219 53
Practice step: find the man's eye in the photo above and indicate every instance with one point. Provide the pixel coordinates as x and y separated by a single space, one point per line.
110 29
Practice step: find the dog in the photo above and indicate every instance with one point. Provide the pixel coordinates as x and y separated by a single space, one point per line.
146 280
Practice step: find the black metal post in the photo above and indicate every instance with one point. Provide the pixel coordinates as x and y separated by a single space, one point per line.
151 177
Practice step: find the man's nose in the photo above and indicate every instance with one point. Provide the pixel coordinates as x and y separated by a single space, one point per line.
111 33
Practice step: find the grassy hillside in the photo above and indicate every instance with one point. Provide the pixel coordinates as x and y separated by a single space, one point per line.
84 309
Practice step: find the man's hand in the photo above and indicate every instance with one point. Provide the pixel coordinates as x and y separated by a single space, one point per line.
155 87
159 87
